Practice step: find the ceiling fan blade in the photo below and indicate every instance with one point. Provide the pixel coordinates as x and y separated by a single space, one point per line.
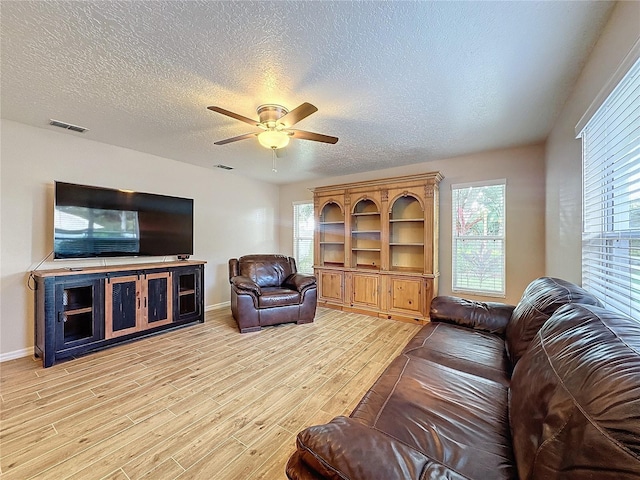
242 118
297 114
235 139
316 137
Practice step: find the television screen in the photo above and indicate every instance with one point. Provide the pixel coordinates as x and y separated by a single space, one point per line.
102 222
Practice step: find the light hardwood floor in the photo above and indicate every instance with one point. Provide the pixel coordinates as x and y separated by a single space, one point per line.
202 402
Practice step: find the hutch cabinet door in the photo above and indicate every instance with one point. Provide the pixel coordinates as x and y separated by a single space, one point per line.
330 285
78 315
406 295
365 290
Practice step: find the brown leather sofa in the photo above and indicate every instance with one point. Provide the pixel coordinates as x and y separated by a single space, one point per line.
549 389
268 290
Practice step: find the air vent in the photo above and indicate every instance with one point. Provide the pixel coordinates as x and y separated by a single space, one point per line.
67 126
223 167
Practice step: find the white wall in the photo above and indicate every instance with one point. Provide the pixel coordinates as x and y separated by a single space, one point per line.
32 158
564 151
524 170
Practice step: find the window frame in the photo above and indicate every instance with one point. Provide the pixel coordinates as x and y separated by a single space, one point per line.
610 178
297 238
455 287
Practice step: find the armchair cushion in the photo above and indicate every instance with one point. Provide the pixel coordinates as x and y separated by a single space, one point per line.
299 282
278 297
245 283
266 270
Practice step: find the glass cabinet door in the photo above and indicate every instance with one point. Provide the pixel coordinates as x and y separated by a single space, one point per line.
78 313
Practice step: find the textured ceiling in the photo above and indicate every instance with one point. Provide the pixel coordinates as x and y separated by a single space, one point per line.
397 82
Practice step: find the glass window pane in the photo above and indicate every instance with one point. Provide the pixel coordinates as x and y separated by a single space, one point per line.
478 253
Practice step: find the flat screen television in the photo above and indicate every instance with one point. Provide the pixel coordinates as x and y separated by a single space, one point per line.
92 222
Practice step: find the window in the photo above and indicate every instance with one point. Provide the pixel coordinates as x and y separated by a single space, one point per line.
611 198
478 251
303 236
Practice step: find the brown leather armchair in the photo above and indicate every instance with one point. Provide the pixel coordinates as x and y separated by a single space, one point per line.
267 290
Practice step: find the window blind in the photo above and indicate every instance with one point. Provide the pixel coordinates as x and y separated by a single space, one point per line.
611 198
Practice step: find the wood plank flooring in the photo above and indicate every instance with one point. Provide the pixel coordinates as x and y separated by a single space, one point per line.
202 402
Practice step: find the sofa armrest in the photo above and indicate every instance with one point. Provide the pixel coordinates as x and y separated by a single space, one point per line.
346 448
485 316
299 282
245 283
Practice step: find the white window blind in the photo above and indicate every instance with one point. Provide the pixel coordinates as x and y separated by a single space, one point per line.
611 198
303 236
478 250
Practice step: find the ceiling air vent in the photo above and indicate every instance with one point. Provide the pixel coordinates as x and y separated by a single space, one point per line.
223 167
67 126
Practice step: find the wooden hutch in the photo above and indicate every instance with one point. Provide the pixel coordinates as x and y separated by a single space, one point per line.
376 246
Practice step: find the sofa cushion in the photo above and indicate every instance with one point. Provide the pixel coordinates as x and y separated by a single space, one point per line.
461 348
579 384
540 300
347 449
491 317
265 270
456 419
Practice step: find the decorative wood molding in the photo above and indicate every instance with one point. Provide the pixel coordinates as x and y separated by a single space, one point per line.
428 191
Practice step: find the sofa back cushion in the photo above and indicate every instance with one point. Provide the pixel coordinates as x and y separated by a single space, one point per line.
575 398
540 300
266 270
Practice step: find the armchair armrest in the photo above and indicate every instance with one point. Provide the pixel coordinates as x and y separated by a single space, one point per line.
245 283
346 448
299 282
485 316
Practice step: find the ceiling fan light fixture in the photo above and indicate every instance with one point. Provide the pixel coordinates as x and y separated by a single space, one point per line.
273 139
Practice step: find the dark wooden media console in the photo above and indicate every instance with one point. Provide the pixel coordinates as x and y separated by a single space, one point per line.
84 309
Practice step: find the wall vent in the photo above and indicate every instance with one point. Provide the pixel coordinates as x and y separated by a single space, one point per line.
67 126
223 167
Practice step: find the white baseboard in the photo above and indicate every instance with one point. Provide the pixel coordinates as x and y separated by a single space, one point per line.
217 306
25 352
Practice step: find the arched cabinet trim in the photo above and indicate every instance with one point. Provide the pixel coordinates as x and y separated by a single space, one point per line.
392 202
366 199
330 201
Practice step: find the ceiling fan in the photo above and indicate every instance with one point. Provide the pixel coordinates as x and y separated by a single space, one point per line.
275 124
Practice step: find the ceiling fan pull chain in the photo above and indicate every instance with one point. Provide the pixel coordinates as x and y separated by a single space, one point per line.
274 168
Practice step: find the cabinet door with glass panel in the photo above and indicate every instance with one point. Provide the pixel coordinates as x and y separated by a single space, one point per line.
79 317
